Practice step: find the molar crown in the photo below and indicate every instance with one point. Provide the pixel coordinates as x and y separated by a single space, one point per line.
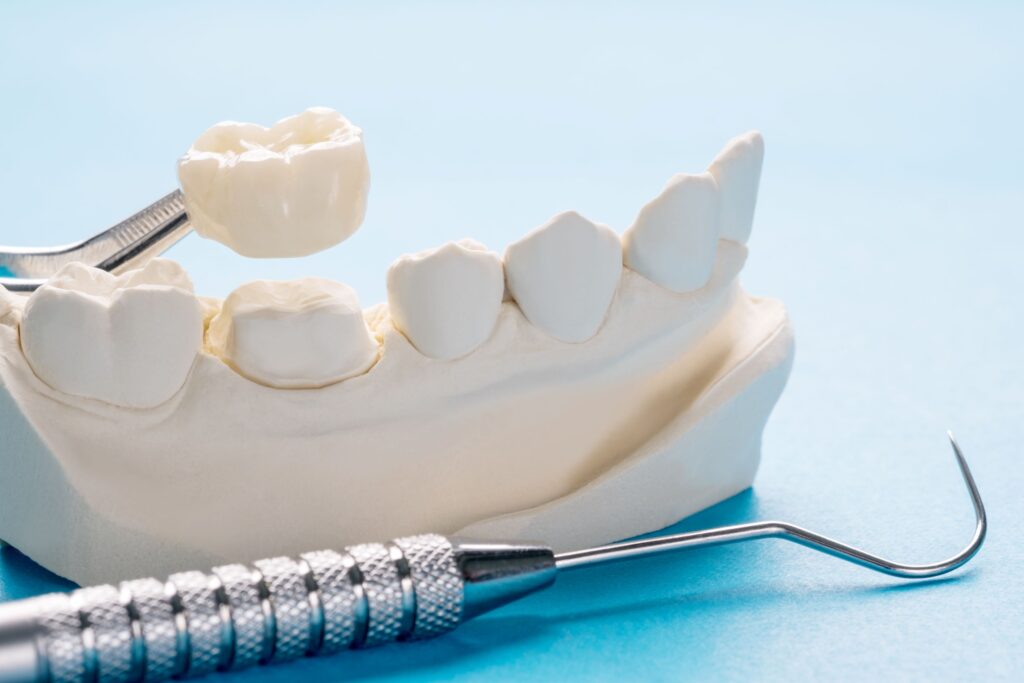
300 334
129 339
446 301
293 189
674 238
564 274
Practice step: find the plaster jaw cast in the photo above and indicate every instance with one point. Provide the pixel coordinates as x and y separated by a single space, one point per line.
293 189
543 412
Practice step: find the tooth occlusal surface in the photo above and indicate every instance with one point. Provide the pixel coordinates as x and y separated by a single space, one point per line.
300 334
564 274
674 238
129 340
293 189
446 301
737 168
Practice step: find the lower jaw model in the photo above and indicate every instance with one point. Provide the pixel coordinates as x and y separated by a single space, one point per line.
554 395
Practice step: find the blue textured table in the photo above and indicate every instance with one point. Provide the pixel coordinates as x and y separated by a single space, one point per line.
889 222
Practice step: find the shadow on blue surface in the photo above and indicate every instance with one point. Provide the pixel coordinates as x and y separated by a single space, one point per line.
20 577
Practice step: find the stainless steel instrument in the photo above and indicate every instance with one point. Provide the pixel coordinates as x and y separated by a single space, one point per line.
127 245
322 602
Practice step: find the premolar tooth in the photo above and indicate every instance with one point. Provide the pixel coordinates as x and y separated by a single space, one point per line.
446 301
673 239
564 274
737 168
300 334
129 340
292 189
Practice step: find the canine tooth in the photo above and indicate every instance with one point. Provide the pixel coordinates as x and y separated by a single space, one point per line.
129 340
293 189
564 274
674 238
737 168
446 300
300 334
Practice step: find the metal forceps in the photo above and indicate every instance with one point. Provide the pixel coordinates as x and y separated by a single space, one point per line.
283 608
127 245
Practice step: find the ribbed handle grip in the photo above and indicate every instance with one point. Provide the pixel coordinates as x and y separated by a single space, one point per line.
237 616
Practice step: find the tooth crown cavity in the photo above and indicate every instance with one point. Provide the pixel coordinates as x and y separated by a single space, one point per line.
564 274
129 340
293 335
446 301
293 189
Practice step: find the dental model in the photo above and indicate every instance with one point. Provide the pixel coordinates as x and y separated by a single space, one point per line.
578 390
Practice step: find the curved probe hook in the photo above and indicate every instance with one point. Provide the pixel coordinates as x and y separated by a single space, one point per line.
795 534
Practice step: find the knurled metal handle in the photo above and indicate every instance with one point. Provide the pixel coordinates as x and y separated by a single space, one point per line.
237 616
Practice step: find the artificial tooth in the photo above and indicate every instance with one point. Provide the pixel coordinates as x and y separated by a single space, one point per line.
564 274
129 339
446 300
673 240
300 334
737 168
293 189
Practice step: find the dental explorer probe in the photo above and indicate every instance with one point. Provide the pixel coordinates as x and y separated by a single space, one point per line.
322 602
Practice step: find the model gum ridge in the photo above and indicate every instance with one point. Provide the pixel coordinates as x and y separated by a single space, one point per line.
580 388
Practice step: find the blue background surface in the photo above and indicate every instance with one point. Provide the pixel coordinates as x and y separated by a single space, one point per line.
889 222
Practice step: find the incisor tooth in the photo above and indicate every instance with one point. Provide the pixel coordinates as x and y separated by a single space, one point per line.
292 189
446 300
673 239
564 274
300 334
737 168
129 340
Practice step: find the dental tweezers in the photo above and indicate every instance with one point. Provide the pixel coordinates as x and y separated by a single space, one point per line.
281 609
127 245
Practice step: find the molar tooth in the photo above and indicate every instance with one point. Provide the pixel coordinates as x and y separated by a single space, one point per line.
300 334
564 274
673 239
737 168
129 340
446 300
292 189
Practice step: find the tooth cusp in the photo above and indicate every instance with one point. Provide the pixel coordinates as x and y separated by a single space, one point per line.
737 168
301 334
564 274
446 301
674 239
128 340
293 189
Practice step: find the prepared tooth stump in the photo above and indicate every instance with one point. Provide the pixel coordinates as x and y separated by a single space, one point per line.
579 390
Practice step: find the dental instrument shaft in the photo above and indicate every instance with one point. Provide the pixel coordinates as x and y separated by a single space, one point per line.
322 602
127 245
